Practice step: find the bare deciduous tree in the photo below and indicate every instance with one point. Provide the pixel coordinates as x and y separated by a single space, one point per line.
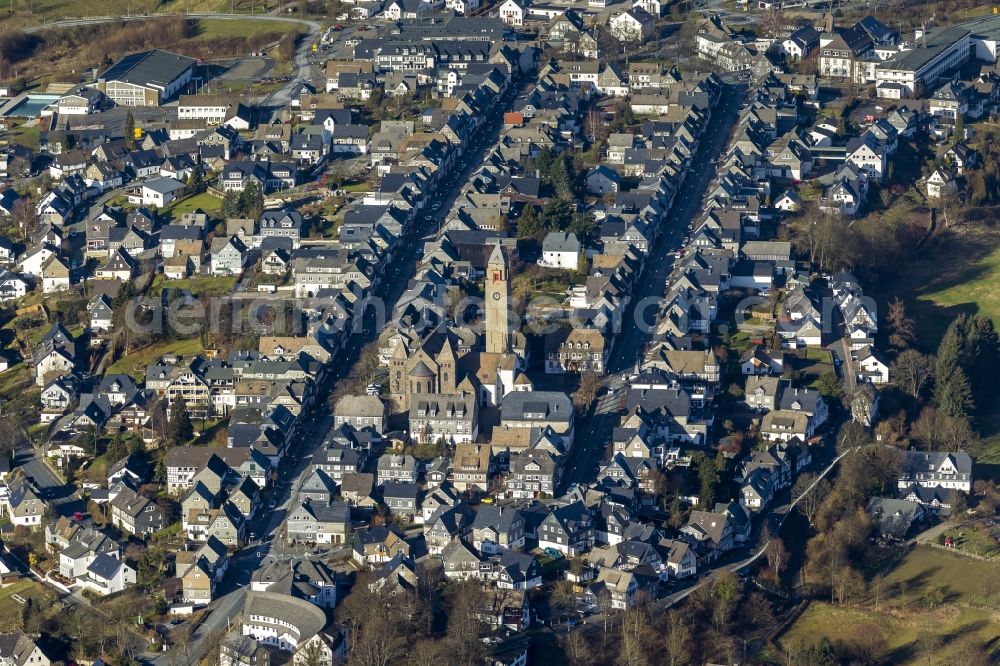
777 556
585 393
676 639
868 643
911 371
25 217
903 330
810 503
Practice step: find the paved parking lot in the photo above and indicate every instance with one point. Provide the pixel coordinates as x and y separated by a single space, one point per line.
247 68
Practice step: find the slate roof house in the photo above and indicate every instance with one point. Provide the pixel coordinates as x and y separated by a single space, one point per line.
378 545
461 561
280 224
533 473
24 504
134 514
948 470
55 355
107 575
560 249
18 649
101 313
445 518
228 256
538 409
896 518
397 467
513 570
361 411
713 531
568 529
320 522
402 498
497 529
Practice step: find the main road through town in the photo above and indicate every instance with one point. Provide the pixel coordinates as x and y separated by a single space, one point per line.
594 429
398 272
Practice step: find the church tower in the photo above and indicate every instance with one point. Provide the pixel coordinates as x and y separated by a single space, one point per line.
447 381
498 328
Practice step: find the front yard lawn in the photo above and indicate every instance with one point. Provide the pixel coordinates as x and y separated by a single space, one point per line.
817 355
201 284
362 186
25 589
135 363
205 202
972 539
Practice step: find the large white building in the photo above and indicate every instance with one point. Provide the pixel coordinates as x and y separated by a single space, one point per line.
935 54
560 249
284 622
932 56
936 469
147 78
213 109
281 620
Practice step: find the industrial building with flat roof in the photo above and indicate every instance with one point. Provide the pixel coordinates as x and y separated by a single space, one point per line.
148 78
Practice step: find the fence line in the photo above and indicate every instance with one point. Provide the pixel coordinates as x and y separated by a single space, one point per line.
952 549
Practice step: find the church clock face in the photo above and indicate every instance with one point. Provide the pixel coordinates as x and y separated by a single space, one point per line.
496 295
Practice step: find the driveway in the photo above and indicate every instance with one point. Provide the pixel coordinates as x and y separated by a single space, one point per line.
65 499
222 612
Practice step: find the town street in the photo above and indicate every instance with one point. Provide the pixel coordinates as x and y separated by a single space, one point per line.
595 428
267 524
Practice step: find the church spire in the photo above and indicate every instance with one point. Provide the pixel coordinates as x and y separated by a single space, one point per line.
497 290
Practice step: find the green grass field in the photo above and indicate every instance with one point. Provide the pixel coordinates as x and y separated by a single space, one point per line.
33 12
817 355
931 593
925 569
363 186
952 274
10 608
17 378
204 201
975 541
223 28
209 284
952 626
38 11
973 288
28 136
135 364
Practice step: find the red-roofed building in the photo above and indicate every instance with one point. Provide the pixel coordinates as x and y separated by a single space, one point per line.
513 119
